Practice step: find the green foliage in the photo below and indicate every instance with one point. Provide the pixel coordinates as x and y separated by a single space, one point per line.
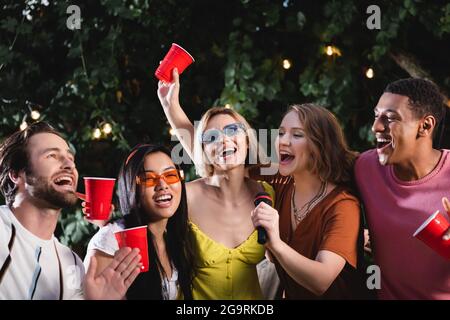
103 73
74 228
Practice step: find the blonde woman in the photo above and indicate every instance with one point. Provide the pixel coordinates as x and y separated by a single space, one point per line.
220 202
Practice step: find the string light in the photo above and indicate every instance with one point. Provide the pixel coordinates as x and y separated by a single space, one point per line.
329 50
172 132
369 73
332 50
35 115
286 64
337 51
228 106
107 128
119 96
96 133
23 125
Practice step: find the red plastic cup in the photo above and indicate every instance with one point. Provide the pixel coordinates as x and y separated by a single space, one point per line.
432 231
99 193
178 58
135 238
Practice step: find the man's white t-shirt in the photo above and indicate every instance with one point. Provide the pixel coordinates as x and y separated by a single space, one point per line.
35 269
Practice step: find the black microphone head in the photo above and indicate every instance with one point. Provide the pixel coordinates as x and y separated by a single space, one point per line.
263 197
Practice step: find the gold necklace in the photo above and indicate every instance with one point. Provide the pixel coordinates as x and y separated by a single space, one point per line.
301 213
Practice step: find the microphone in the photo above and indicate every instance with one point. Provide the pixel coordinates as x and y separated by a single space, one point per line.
262 197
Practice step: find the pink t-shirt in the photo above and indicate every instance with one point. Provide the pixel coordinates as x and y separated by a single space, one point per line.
394 210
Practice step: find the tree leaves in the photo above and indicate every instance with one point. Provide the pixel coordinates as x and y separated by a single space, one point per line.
9 24
239 47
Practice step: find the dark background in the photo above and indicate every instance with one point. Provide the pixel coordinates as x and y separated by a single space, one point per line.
79 80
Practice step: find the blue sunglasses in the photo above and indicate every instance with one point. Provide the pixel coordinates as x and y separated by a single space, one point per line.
216 135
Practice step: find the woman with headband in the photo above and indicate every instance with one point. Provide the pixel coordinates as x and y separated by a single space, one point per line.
151 192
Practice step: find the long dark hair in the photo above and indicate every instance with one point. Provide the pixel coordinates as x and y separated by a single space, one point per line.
178 242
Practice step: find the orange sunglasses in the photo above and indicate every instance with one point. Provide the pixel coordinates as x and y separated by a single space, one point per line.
151 179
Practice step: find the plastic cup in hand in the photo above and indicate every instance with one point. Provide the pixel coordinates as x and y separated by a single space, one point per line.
135 238
178 58
98 196
432 231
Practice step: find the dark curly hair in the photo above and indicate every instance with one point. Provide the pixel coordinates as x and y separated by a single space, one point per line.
424 97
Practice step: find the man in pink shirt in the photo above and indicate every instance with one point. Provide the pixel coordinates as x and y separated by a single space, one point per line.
402 182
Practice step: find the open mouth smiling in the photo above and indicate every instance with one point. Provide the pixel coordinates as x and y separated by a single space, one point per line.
384 143
67 181
286 157
226 153
165 198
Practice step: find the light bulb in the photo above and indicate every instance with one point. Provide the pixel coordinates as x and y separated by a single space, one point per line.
107 128
369 73
97 133
329 51
35 115
286 64
23 125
